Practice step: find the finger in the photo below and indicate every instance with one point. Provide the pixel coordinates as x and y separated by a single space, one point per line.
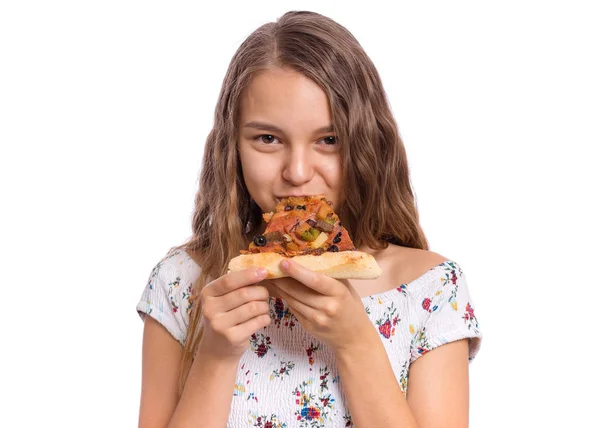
246 329
242 296
234 280
294 288
320 283
244 313
299 309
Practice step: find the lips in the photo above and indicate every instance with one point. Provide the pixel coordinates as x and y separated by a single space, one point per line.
299 195
280 198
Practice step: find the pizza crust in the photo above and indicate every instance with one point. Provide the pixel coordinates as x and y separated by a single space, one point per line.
340 265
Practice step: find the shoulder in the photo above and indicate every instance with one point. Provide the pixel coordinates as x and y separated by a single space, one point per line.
412 263
175 267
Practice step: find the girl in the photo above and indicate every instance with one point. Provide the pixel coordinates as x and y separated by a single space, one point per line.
302 111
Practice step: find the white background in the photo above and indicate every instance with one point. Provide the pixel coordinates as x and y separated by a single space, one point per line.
104 110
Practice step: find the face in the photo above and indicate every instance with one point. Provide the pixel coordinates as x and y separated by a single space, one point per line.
285 146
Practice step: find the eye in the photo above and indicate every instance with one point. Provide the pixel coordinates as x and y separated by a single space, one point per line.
268 140
330 141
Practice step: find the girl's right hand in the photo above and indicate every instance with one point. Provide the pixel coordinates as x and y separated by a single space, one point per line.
234 308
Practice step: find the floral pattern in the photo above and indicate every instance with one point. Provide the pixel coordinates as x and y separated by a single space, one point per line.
280 314
404 378
387 324
285 369
313 411
272 421
470 318
260 344
420 342
311 350
287 378
172 287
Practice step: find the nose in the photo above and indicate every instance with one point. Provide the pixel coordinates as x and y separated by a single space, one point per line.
298 168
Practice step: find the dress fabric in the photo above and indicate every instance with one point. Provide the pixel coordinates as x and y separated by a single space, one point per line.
287 378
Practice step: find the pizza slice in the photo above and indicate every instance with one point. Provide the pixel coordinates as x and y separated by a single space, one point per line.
307 230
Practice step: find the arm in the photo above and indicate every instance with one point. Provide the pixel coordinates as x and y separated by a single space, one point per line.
437 396
207 394
372 393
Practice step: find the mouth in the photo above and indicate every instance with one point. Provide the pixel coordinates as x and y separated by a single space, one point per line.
280 198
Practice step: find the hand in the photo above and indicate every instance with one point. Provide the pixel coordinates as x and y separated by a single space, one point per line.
233 310
330 309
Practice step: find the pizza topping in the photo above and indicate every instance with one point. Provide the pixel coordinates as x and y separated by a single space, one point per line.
311 234
320 240
260 240
323 226
302 225
302 228
292 246
267 217
323 211
275 236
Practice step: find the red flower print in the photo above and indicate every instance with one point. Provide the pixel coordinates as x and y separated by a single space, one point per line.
269 425
469 312
261 351
427 305
313 413
454 277
385 329
260 344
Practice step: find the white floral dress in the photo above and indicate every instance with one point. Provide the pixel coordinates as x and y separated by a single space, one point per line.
287 378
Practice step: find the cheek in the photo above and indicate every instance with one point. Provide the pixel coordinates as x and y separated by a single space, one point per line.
258 173
332 171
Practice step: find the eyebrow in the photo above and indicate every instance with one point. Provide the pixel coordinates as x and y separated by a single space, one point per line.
268 127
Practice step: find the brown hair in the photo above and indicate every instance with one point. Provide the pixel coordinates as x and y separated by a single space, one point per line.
379 204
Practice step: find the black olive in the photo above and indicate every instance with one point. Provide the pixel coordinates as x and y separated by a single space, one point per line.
311 222
260 240
333 249
301 207
338 238
288 208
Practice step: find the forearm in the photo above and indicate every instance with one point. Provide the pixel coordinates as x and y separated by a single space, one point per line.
372 392
206 398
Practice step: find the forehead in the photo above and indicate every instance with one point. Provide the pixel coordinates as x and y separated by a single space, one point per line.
285 98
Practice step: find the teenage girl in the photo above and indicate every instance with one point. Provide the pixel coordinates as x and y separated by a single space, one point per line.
302 111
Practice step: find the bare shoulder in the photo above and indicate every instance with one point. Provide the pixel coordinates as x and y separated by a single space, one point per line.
411 263
400 265
416 256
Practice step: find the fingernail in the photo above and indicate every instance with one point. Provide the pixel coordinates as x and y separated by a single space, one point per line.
261 273
285 264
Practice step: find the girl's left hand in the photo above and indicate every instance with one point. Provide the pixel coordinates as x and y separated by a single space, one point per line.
330 309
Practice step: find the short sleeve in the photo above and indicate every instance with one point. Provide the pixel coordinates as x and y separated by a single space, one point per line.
166 297
449 313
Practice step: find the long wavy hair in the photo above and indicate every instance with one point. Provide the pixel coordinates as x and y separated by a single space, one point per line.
379 205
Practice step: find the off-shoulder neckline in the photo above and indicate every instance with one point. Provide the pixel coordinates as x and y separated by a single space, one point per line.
417 280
